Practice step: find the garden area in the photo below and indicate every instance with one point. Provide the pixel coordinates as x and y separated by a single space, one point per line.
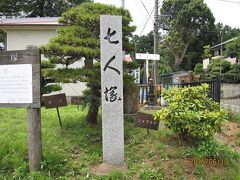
74 151
194 137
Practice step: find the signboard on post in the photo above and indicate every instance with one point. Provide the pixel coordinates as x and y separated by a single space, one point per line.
20 87
144 120
146 56
20 78
55 101
112 89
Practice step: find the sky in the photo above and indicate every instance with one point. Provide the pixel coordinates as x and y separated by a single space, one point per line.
224 11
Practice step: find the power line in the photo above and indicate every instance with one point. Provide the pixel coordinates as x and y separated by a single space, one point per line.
146 22
229 1
146 10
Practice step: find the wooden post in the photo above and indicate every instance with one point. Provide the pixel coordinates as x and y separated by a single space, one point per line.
34 138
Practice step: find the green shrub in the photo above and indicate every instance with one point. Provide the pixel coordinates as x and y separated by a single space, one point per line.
233 76
191 113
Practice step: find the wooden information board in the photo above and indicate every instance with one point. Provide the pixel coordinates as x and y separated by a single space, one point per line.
20 87
20 78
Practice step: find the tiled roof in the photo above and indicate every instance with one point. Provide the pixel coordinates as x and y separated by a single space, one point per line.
31 21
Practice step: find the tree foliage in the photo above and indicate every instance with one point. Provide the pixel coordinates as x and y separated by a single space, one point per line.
144 44
80 39
207 52
198 70
46 78
225 32
187 21
10 8
233 75
218 66
166 63
34 8
233 49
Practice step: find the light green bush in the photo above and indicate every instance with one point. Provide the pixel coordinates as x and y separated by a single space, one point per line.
190 112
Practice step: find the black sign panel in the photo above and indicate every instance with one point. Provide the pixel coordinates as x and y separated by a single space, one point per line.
76 100
144 120
54 101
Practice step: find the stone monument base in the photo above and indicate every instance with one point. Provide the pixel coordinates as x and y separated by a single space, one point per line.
105 169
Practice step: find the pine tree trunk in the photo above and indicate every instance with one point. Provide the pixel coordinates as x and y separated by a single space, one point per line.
92 114
94 101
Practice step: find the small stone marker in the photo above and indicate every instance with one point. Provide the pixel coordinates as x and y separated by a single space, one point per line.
112 89
144 120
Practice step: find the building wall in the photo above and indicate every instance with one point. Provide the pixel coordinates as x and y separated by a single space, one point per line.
19 39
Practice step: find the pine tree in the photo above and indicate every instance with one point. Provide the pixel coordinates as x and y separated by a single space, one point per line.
80 39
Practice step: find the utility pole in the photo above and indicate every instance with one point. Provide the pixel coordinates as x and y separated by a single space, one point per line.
123 4
221 53
155 35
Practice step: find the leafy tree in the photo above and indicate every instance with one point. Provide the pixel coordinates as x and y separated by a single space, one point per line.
80 39
144 44
10 8
207 52
233 75
233 49
34 8
218 66
49 7
225 32
166 63
187 21
198 69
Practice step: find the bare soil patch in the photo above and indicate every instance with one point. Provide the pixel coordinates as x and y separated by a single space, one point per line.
230 135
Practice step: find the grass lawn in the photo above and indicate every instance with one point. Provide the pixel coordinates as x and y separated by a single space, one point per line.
72 152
